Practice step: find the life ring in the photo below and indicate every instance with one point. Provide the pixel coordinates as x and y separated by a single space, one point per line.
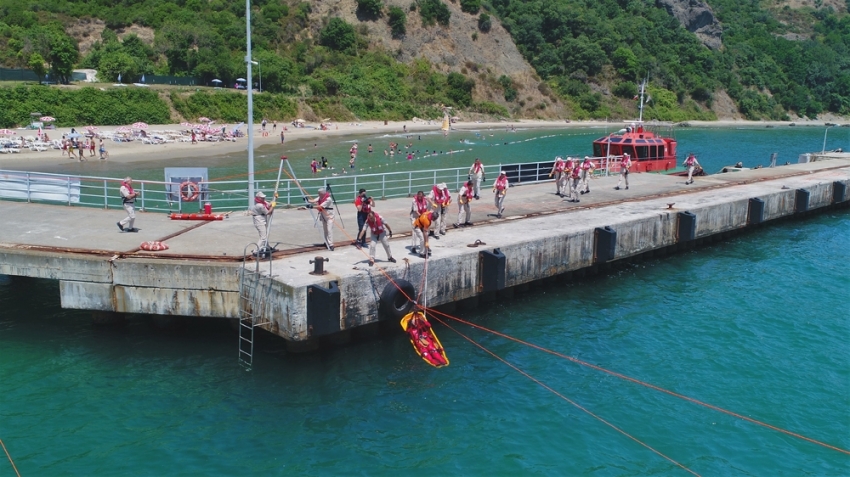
396 299
153 246
191 191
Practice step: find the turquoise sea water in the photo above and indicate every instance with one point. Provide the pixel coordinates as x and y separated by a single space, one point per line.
758 325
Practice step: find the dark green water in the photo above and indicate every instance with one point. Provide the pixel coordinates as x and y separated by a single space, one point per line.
759 325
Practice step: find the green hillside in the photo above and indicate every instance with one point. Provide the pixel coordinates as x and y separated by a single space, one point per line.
588 54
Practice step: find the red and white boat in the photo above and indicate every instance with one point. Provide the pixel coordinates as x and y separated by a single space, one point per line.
649 150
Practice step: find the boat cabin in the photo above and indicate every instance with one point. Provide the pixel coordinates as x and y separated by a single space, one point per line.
649 152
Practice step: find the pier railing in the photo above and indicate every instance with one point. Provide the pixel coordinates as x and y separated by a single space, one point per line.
157 196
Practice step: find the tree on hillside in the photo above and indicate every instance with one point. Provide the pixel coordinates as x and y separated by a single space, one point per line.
63 57
36 64
460 89
398 22
434 11
338 35
370 8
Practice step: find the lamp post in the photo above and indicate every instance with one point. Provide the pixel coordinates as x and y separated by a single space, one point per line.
250 106
823 149
260 68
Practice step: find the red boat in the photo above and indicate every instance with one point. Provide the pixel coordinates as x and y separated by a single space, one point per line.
650 152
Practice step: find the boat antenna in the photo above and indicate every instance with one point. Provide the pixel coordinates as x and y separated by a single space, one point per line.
642 90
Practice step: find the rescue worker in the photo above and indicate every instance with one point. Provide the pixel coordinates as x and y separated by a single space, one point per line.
574 180
440 198
260 211
586 173
464 195
380 229
691 163
324 205
476 174
364 205
625 165
500 189
128 199
419 206
558 172
420 232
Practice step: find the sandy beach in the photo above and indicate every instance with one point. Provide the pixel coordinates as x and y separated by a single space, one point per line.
128 152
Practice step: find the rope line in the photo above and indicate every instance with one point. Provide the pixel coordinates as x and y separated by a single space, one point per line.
577 405
10 458
643 383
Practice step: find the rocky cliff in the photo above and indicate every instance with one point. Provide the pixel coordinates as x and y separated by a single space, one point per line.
698 18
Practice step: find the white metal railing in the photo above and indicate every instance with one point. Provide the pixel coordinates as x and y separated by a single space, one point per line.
157 196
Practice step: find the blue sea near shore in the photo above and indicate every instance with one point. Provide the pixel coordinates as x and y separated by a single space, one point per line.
758 325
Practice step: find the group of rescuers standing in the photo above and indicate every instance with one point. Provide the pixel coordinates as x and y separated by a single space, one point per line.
428 213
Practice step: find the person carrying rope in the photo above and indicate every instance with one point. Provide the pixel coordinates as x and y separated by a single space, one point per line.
128 199
324 205
464 195
364 205
380 229
419 206
691 163
586 173
476 174
440 198
500 189
259 212
625 165
420 233
558 173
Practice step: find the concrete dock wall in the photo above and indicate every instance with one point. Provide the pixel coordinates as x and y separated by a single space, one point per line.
516 252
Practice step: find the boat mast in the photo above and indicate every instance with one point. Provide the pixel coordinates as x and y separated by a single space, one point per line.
642 90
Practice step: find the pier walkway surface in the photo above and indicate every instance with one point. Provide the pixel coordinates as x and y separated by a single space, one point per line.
541 234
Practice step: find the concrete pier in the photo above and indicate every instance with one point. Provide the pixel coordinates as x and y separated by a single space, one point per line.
541 237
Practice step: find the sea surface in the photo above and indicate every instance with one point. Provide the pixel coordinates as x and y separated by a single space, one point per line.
758 325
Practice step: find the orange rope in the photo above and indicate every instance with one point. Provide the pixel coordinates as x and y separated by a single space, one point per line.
642 383
10 458
541 384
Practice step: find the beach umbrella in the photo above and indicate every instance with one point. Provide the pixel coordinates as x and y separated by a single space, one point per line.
140 125
123 129
186 124
91 128
204 119
73 135
7 132
47 119
217 81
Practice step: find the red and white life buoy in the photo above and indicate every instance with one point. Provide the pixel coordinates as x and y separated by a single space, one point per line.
153 246
189 191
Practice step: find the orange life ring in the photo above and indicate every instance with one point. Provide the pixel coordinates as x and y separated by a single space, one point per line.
191 193
153 246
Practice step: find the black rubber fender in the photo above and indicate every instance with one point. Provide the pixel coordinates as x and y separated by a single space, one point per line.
394 303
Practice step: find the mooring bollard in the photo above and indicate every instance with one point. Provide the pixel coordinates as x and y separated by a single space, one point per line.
319 268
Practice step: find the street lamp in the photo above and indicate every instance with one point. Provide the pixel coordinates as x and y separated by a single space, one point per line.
250 104
260 69
824 139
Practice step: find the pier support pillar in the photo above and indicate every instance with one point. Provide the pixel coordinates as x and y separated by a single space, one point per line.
839 192
755 212
801 203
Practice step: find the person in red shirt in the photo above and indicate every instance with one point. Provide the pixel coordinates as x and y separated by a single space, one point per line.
364 205
380 229
500 189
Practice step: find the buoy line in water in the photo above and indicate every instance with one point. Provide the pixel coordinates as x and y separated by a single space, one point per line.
434 312
10 458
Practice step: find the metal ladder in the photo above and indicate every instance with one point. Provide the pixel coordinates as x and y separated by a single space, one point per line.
254 288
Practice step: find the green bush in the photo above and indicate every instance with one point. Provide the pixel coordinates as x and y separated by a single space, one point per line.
398 22
370 8
487 107
484 22
434 11
338 35
84 106
625 89
470 6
